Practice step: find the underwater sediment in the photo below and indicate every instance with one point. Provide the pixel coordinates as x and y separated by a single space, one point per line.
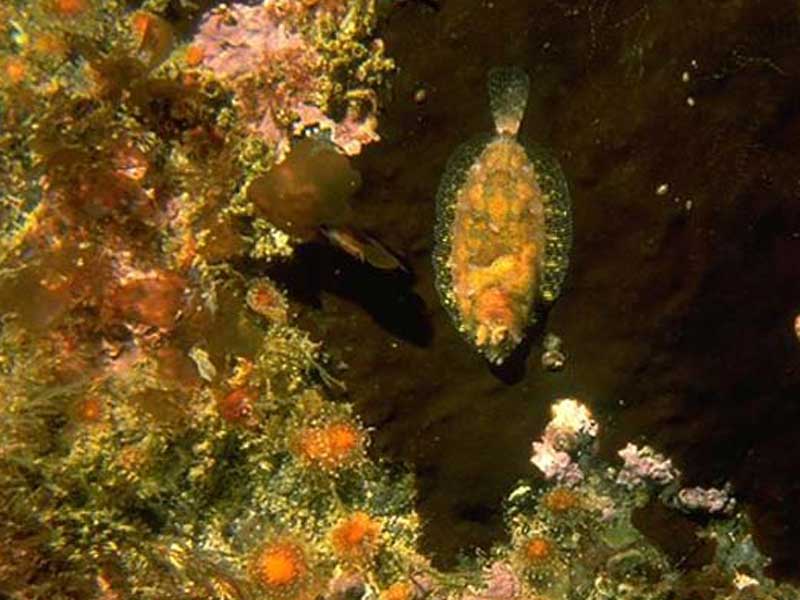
168 429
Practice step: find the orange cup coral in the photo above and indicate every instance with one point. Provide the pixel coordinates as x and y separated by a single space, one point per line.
194 55
15 70
89 409
331 447
69 8
282 569
537 550
356 538
561 500
400 590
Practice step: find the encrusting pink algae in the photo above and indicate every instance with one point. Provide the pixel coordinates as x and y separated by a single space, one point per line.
281 81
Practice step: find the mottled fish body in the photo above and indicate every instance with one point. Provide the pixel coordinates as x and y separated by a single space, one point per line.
503 228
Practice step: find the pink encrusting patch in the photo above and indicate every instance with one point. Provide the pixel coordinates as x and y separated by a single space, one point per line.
277 76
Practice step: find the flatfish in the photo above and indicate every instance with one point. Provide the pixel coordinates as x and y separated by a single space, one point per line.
503 227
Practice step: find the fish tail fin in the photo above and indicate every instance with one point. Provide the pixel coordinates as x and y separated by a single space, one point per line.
508 97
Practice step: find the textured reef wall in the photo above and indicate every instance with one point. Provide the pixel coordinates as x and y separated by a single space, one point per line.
167 428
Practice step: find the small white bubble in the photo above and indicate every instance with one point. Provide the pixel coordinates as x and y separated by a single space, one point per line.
690 101
662 189
685 77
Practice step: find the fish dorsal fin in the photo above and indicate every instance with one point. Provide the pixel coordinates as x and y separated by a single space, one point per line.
508 96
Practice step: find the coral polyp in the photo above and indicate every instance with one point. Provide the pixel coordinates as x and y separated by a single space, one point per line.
537 550
332 446
282 569
69 8
356 538
89 409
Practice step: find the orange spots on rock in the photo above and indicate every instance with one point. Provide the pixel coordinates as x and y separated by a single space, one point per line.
266 300
356 538
331 447
561 500
283 570
400 590
537 550
89 409
343 439
69 8
280 565
194 55
15 70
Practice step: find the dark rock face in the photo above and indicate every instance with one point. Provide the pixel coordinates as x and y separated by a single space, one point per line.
678 128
